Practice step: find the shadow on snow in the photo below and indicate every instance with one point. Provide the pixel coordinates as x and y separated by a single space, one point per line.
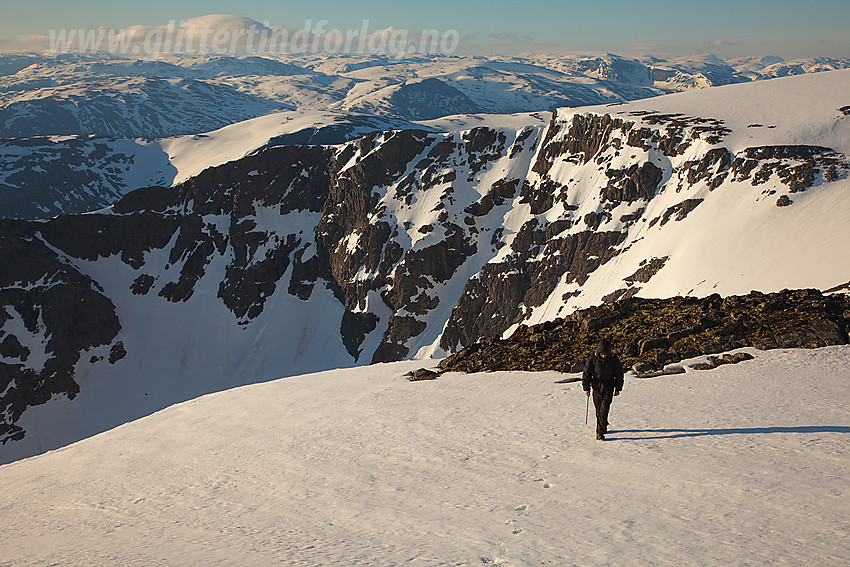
678 433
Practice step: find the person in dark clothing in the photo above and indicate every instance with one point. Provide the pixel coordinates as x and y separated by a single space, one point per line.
604 373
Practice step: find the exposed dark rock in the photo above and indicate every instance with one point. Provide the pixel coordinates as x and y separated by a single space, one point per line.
594 219
831 173
556 228
502 190
668 370
67 307
354 328
350 213
304 274
10 347
652 344
399 330
483 145
845 110
647 270
490 302
192 270
91 237
632 217
620 294
246 285
423 374
142 284
644 367
681 211
843 288
418 271
676 125
586 134
737 357
653 332
712 167
540 196
117 352
632 184
520 143
796 166
783 201
715 361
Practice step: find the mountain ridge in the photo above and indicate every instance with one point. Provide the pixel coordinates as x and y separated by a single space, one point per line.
414 244
135 107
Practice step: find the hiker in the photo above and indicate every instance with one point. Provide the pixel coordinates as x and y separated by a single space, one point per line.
604 373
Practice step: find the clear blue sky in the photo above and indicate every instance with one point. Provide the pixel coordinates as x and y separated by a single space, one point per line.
789 28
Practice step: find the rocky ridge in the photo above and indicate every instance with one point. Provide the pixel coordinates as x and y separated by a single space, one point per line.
651 333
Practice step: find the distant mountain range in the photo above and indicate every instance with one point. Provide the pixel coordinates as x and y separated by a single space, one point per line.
410 243
105 95
106 110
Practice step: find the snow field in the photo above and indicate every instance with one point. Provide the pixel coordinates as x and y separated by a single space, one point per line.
742 465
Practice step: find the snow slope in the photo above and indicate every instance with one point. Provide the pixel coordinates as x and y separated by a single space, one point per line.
746 464
190 155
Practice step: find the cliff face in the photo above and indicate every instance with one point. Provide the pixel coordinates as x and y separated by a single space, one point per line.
404 244
46 299
601 184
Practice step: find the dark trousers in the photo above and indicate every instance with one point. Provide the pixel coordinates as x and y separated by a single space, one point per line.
602 403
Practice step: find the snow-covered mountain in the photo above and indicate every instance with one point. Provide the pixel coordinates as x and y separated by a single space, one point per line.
77 96
414 243
743 464
51 175
109 95
150 106
757 68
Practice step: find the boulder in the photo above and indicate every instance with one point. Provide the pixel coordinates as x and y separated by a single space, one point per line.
422 374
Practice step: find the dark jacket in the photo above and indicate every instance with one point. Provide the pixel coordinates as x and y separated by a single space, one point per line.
603 374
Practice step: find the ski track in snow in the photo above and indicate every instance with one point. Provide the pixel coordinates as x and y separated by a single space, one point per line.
746 464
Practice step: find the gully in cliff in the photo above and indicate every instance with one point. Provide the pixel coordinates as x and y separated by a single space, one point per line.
604 373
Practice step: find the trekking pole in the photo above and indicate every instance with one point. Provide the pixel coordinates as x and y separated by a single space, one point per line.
587 410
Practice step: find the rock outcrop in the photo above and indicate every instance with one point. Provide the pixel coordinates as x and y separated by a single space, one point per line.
649 333
44 296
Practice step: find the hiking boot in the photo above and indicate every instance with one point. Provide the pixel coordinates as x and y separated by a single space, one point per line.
600 437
